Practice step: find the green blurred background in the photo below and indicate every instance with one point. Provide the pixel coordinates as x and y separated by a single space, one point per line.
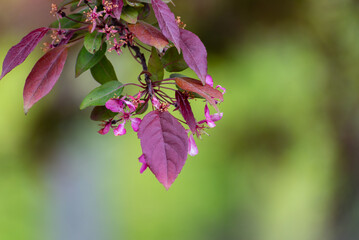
283 163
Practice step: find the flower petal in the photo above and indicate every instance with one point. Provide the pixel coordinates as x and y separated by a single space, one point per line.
209 80
192 147
105 129
135 123
155 102
216 117
209 120
120 130
142 160
115 105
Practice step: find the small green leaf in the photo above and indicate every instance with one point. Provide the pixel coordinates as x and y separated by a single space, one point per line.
155 66
86 60
101 113
93 41
129 14
100 95
67 23
173 61
103 71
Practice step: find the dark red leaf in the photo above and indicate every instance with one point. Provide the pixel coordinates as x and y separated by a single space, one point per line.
149 35
43 76
167 22
186 111
194 53
164 144
206 91
117 10
18 53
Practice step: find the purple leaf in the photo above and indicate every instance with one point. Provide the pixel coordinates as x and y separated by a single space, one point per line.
118 10
194 53
167 22
164 144
18 53
43 76
186 111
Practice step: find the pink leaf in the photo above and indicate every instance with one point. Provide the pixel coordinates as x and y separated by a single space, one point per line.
18 53
186 111
194 53
167 22
164 144
118 10
43 76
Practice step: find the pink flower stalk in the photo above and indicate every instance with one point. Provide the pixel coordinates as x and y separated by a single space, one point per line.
117 46
142 160
118 106
109 31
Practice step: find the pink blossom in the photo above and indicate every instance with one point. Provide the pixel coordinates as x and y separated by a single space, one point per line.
209 80
93 16
118 106
109 31
117 46
210 119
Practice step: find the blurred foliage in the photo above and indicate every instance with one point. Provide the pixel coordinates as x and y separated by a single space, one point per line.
282 164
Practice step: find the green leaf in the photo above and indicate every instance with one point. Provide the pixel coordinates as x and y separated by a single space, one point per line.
173 61
101 113
67 23
100 95
134 3
67 2
129 14
93 41
86 60
155 66
103 71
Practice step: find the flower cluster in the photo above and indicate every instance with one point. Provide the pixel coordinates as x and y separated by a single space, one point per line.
115 26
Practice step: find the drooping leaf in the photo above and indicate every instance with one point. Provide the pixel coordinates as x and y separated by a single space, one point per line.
194 53
43 76
164 144
206 91
155 66
186 111
103 71
18 53
129 14
142 108
101 113
149 35
100 95
117 10
86 60
67 23
167 22
173 61
93 41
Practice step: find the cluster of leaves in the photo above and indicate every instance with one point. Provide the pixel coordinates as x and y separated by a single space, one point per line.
114 25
